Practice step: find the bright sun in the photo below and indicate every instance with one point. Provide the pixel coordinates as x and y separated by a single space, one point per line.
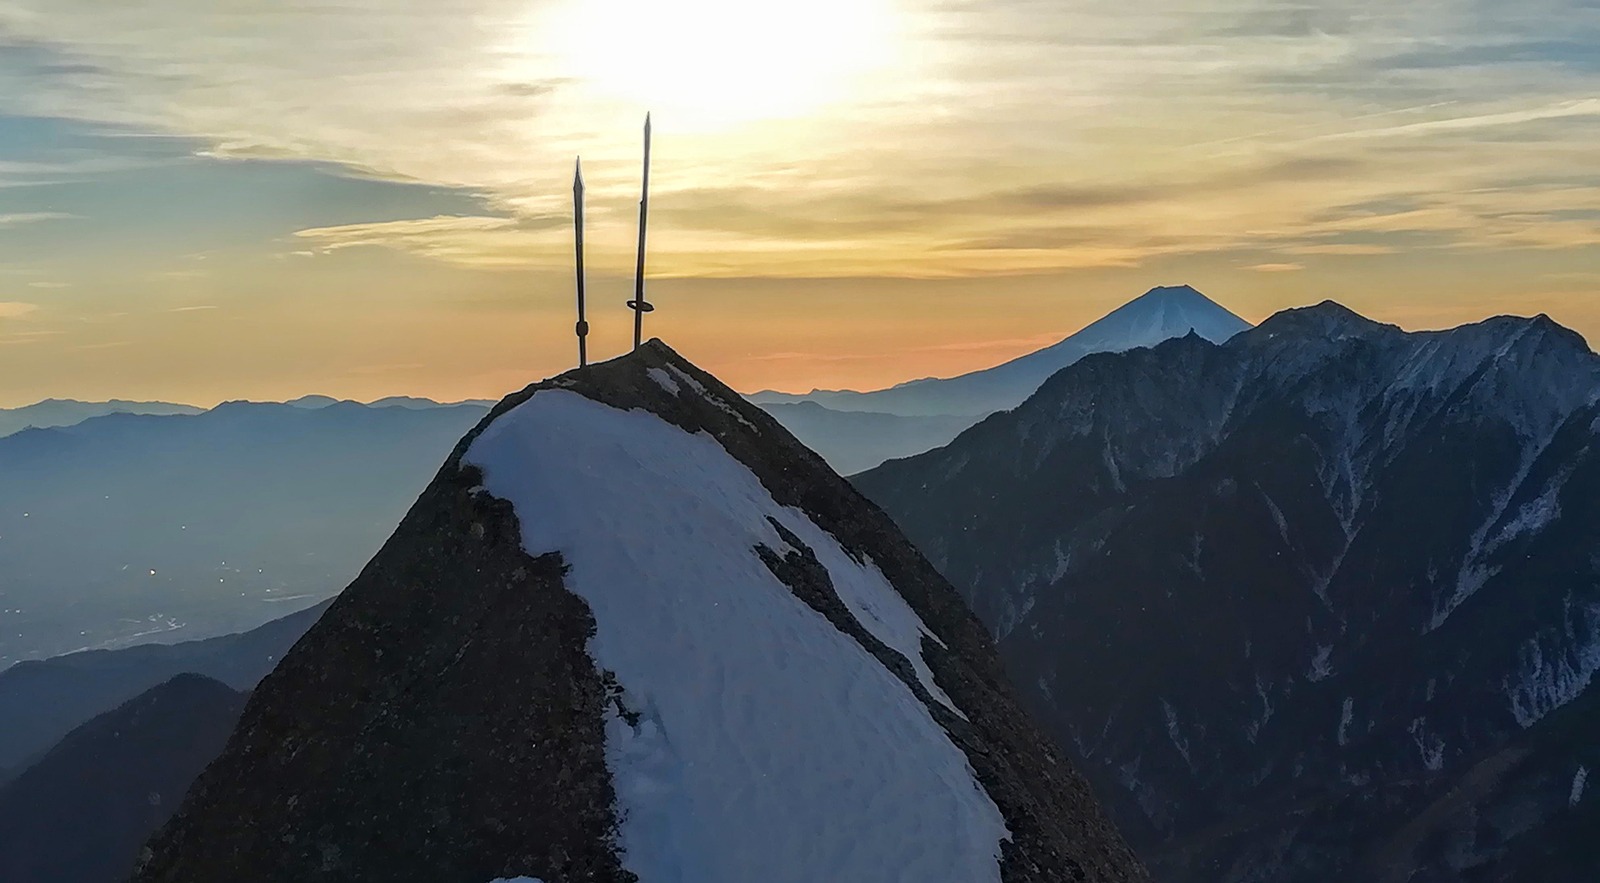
718 62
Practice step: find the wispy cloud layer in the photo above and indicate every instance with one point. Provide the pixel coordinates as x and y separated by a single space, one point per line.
1440 146
1173 127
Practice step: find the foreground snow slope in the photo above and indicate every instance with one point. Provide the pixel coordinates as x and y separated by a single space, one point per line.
767 743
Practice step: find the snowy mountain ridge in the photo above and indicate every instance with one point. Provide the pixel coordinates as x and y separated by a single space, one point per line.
1349 565
725 673
634 631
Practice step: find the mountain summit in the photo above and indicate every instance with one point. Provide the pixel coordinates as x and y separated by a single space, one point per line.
1155 316
634 631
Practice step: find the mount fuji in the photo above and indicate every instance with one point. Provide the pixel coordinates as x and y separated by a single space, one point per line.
1158 315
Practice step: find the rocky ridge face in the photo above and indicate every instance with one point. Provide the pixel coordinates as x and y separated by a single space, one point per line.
1341 573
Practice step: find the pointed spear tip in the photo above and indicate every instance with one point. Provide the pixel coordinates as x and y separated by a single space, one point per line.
577 173
647 121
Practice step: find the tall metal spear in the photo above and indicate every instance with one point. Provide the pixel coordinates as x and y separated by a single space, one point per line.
577 225
639 305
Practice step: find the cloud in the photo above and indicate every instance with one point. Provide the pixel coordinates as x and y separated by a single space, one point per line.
1346 249
1589 107
15 310
1277 268
1009 138
18 219
474 241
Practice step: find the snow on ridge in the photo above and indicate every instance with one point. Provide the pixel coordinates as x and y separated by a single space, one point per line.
1475 570
665 381
1321 667
746 709
1556 668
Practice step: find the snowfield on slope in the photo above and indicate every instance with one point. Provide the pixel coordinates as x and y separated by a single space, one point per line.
760 742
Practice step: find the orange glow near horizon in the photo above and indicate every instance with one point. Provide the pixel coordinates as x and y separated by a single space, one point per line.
250 200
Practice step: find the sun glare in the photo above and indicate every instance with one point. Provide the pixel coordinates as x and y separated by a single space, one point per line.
719 62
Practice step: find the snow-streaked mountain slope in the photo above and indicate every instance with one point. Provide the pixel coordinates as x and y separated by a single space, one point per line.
1155 316
1342 568
744 695
633 630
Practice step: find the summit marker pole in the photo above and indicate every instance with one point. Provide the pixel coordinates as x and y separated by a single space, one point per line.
577 224
639 305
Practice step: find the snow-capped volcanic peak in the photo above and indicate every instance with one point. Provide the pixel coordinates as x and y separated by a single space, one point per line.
1161 314
750 739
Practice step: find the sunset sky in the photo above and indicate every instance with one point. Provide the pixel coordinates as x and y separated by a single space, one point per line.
204 200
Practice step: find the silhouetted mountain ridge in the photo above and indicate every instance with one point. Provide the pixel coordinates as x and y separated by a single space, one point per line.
80 814
42 700
1337 566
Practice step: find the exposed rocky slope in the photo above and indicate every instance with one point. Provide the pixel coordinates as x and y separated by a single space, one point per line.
1339 570
634 630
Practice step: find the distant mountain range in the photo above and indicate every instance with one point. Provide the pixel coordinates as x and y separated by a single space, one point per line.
855 431
52 413
1159 314
42 700
1321 602
69 412
132 527
853 441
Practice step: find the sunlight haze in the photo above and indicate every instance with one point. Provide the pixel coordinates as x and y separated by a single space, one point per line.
204 201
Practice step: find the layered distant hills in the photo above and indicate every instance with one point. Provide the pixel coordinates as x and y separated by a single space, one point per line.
1321 602
43 700
82 812
68 412
126 526
854 431
1159 314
